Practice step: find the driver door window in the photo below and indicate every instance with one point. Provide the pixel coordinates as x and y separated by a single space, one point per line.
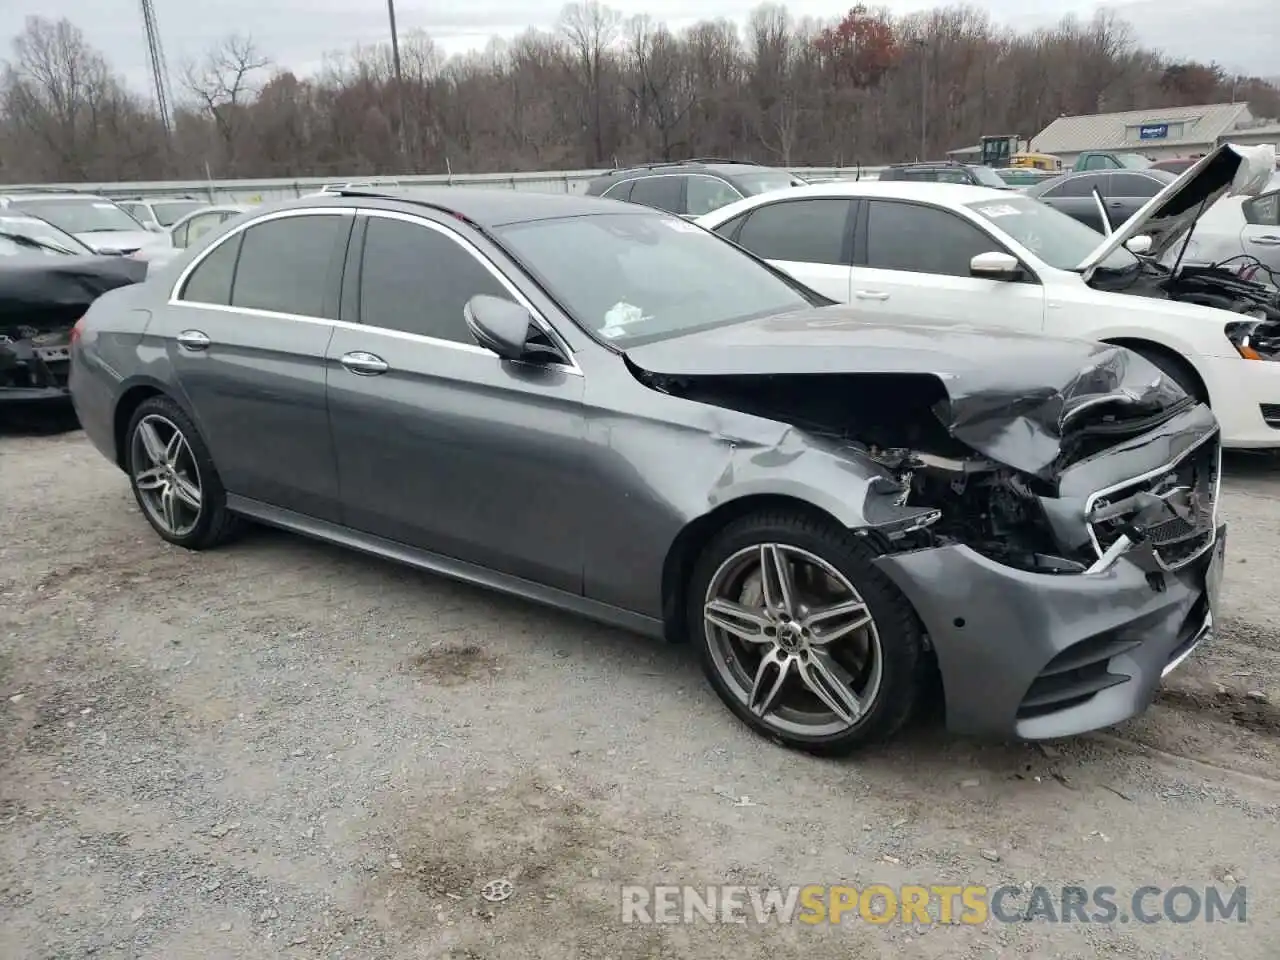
1261 234
915 263
416 279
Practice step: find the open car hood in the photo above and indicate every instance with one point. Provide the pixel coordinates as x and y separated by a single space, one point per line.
1011 397
1166 217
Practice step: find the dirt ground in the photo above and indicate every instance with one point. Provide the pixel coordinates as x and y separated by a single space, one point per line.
284 749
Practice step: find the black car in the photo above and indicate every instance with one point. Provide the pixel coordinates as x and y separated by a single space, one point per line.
46 285
691 188
945 172
1123 193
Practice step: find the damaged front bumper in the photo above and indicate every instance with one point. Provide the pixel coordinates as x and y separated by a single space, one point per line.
1037 655
33 373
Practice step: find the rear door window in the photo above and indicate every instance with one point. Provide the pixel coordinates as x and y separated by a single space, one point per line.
210 281
803 231
660 192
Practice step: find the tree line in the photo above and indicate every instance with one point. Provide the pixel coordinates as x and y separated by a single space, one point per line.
598 90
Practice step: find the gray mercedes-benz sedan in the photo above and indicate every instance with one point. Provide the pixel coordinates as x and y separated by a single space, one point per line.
602 407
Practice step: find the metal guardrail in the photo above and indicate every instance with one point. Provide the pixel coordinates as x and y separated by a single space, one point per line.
259 191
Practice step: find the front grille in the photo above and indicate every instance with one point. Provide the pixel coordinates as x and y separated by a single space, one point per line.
1174 509
1271 414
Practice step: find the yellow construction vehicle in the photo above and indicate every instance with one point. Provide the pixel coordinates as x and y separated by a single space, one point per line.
1037 161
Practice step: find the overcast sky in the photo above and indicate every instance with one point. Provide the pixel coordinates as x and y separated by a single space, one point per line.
1244 37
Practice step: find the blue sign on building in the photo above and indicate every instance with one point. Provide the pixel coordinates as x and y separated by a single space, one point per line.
1153 131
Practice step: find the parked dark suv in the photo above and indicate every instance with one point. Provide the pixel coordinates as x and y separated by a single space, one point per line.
691 187
945 172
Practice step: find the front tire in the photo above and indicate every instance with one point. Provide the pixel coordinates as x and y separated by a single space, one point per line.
802 637
173 478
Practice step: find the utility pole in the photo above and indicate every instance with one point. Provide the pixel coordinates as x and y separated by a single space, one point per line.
159 69
395 59
924 94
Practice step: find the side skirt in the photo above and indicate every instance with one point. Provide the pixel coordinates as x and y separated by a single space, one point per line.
445 566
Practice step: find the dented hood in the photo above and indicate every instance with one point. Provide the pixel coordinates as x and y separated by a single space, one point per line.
1229 169
34 283
1010 397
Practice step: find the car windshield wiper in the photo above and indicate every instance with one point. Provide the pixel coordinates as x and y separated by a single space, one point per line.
23 240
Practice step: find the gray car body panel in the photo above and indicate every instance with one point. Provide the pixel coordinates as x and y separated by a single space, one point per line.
573 484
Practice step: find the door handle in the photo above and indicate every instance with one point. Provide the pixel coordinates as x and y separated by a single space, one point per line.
193 340
364 364
871 295
1267 240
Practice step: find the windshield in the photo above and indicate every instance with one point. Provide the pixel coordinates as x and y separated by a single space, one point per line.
630 279
765 181
1133 161
80 215
1054 237
988 177
171 211
25 234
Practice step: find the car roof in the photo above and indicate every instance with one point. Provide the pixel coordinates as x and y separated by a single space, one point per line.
943 194
939 194
724 167
483 206
50 195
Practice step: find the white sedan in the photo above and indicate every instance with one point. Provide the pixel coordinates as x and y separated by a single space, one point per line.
1240 232
976 256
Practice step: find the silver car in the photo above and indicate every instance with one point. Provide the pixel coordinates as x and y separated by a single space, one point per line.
602 407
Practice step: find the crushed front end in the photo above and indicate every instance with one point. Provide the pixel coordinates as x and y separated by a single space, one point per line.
34 363
1056 605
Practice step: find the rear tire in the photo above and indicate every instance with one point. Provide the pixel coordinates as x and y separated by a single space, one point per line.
807 678
174 481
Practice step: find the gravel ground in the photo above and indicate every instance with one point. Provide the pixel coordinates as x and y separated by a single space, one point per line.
283 749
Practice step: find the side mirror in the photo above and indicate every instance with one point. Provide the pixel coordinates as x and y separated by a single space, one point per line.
1139 245
510 331
995 266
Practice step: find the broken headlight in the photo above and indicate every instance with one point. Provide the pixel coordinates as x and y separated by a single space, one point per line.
1255 339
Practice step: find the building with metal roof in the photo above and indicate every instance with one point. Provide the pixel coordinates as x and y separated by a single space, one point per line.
1160 133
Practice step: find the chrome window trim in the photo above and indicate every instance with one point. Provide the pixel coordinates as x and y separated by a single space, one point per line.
668 176
176 301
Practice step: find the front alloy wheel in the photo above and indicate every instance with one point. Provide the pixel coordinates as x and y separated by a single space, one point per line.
802 637
166 476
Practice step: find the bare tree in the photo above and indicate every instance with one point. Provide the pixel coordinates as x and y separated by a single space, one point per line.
661 84
593 91
223 83
590 29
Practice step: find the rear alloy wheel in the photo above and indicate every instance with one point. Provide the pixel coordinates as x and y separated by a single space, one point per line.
173 479
802 637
